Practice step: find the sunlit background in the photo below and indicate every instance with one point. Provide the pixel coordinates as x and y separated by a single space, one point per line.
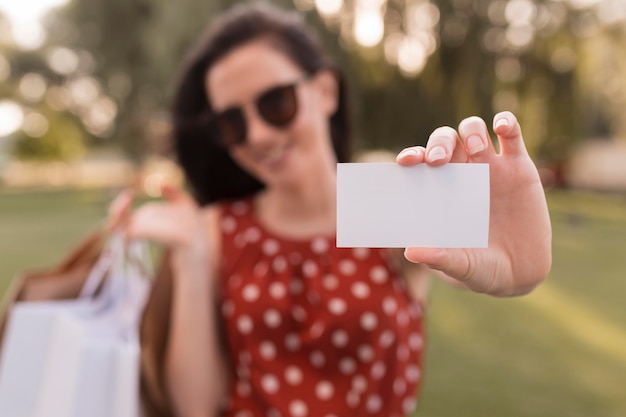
84 90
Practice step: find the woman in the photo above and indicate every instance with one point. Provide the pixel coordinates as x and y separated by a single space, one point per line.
304 328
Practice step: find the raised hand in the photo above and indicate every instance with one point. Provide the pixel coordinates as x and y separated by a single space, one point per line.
176 223
519 255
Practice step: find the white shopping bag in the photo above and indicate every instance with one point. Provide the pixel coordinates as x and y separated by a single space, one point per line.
79 358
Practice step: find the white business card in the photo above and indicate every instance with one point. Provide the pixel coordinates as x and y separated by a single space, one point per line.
386 205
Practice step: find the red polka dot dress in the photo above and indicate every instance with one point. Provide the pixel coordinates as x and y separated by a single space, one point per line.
312 329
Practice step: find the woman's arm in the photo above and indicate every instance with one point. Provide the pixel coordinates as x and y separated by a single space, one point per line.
195 370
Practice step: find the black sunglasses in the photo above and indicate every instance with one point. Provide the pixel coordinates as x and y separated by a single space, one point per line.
277 106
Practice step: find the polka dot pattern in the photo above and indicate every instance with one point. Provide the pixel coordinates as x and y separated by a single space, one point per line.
314 330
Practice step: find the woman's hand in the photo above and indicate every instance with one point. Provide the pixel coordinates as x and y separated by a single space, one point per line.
176 223
519 255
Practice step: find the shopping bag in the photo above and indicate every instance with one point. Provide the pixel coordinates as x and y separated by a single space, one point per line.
62 281
79 357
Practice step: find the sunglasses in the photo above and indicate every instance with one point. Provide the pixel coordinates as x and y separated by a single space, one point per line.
277 106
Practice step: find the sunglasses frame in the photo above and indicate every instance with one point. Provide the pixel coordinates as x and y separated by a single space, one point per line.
240 113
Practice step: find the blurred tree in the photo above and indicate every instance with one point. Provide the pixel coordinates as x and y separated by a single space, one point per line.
413 65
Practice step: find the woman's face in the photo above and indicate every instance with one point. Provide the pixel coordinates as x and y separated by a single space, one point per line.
276 155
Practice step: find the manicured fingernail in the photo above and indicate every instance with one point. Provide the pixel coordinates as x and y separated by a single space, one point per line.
437 153
502 122
407 152
474 144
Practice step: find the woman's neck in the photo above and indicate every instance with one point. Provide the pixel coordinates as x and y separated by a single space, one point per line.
303 210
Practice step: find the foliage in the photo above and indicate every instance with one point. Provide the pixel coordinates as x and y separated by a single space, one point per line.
560 70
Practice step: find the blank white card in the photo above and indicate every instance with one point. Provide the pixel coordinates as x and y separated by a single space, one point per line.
385 205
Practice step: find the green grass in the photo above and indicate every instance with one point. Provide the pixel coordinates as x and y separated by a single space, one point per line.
558 352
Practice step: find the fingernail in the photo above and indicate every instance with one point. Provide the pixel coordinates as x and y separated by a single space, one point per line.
474 144
407 152
437 153
502 122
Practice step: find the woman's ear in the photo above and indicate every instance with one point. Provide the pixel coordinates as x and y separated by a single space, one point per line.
329 88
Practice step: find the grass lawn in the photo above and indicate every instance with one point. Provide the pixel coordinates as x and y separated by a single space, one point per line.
559 352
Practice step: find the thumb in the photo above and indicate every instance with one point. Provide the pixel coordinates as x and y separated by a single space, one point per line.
509 132
459 264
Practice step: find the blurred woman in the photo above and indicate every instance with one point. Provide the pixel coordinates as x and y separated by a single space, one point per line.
303 328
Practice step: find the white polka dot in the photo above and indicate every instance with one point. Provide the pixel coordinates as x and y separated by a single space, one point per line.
299 313
378 274
408 405
253 234
319 245
277 290
295 258
352 399
229 224
360 290
337 306
361 253
359 383
413 373
313 297
317 359
296 286
374 403
279 264
270 247
403 353
387 338
250 293
365 353
272 318
369 321
399 386
267 350
378 370
245 324
245 357
390 306
298 408
340 338
330 282
309 269
416 342
261 269
293 375
292 342
272 412
243 413
243 372
324 390
317 329
347 267
270 384
240 240
243 389
347 366
234 281
228 308
403 318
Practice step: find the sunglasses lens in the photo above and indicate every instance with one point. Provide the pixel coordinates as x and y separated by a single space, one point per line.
278 106
231 127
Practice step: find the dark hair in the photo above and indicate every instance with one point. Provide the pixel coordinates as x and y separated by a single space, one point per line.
212 174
